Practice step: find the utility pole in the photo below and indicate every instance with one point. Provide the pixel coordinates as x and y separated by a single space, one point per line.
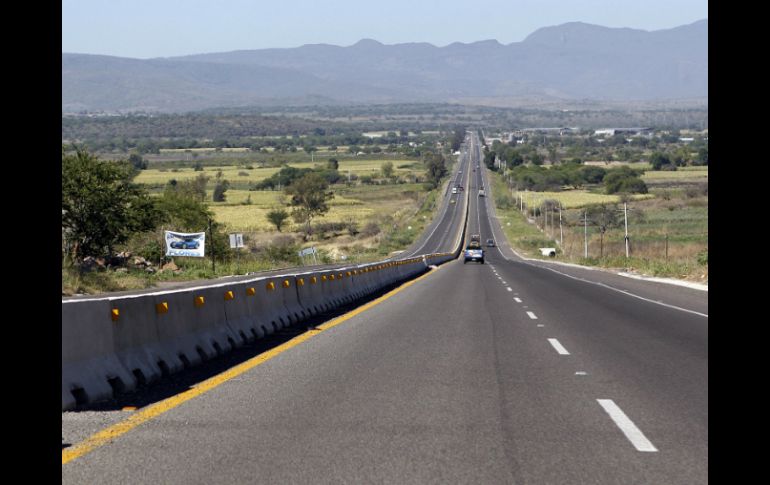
625 217
561 230
213 261
585 232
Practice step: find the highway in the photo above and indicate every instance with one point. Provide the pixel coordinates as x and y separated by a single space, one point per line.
508 372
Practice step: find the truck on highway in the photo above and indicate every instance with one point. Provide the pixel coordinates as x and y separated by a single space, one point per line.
474 252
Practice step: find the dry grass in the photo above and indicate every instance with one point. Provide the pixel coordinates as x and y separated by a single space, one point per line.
571 199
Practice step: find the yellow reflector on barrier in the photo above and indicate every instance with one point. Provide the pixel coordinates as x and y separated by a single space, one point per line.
161 307
115 314
286 283
300 282
270 286
324 278
314 280
199 301
349 274
331 277
251 291
229 295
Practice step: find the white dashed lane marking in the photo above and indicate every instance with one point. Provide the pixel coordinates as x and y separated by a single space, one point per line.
532 315
634 434
558 346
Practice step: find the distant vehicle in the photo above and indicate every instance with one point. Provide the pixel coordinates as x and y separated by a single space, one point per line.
474 252
186 244
460 188
454 190
490 243
482 193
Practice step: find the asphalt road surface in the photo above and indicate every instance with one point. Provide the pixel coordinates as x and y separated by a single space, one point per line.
506 372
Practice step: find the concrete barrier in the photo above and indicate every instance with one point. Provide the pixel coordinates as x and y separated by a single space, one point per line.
139 338
188 329
310 293
333 290
88 362
241 315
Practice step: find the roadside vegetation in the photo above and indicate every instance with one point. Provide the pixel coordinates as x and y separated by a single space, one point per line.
350 208
668 226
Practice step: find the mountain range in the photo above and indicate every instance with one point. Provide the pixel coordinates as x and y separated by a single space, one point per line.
572 61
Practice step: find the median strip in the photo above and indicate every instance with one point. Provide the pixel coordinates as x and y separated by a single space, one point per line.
106 435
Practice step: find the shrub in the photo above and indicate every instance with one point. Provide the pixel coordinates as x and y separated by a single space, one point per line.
370 229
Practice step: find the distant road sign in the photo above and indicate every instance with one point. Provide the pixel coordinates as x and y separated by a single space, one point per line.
236 241
307 251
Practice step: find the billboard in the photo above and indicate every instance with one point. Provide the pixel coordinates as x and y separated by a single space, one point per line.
185 244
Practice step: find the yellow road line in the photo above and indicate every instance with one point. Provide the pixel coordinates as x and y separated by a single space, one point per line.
108 434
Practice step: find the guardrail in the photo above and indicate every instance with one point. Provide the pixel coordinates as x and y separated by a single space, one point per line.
113 344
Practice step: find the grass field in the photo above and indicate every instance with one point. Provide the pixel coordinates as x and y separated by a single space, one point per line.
694 174
360 204
239 175
571 199
668 236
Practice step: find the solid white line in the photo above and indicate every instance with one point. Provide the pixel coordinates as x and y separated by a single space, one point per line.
526 261
518 300
532 315
634 434
559 347
540 325
626 292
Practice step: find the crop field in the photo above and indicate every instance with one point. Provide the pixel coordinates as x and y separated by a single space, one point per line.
239 175
668 230
359 204
694 174
571 199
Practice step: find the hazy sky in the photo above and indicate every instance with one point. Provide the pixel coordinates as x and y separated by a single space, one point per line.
162 28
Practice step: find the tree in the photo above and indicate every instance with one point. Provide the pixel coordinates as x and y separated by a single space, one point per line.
333 164
387 169
137 161
604 217
277 217
457 138
308 197
703 156
436 168
659 160
624 179
593 175
101 206
219 190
